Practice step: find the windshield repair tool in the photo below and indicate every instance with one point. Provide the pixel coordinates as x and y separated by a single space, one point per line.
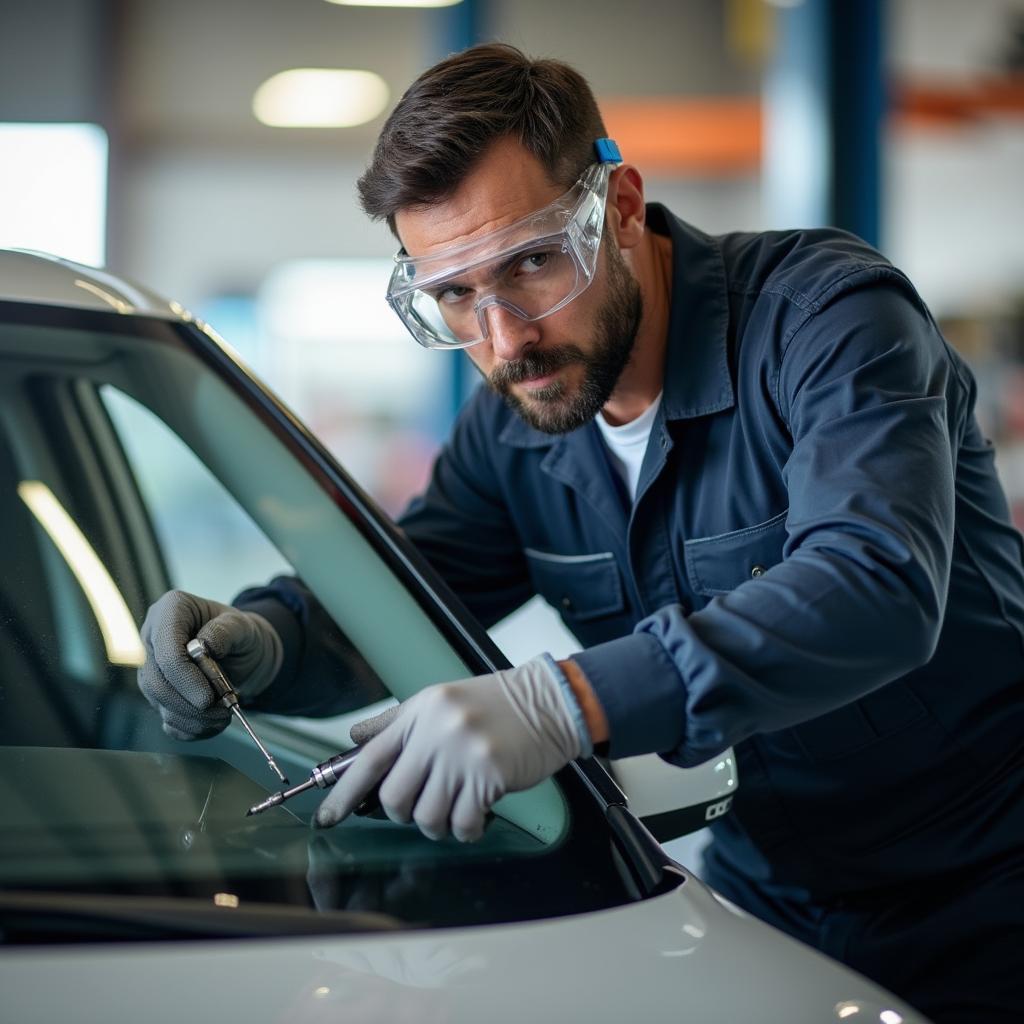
198 652
323 776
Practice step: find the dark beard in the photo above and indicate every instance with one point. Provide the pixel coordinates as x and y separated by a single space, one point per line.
551 409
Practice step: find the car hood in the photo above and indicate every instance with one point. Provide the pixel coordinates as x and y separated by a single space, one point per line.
683 956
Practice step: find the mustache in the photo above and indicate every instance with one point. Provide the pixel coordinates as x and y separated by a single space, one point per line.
537 364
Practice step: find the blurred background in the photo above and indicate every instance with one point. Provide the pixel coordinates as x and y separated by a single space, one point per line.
210 148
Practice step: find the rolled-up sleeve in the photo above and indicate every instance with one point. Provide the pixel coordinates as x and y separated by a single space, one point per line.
872 402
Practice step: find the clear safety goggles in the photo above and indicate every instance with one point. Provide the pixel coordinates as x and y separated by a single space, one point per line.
532 268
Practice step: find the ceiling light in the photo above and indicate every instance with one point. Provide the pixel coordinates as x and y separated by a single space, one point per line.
396 3
320 98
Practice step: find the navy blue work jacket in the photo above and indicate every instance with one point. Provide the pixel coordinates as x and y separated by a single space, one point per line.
819 567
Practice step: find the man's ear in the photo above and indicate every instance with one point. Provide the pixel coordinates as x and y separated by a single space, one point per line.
626 211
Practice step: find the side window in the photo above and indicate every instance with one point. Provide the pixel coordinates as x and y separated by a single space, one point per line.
210 544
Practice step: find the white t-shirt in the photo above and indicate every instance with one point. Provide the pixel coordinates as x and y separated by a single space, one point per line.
628 443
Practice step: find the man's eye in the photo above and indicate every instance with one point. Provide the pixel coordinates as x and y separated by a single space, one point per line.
534 262
452 294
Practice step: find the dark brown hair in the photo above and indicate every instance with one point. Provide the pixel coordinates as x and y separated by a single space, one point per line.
455 110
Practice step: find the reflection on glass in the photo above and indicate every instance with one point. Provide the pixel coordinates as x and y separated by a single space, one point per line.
120 634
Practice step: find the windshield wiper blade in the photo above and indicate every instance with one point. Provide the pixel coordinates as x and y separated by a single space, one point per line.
30 918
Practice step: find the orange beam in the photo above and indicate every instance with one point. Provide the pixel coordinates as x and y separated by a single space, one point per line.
723 135
922 104
687 136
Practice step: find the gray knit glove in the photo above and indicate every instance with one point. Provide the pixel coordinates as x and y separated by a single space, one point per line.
245 644
452 750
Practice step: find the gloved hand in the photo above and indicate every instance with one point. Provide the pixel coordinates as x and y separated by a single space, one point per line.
244 643
454 749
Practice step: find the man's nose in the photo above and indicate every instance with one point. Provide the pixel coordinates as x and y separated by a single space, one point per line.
510 336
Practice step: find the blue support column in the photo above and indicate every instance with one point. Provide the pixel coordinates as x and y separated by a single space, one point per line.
797 165
858 101
461 26
824 108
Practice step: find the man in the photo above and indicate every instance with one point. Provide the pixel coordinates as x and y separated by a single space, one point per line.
747 471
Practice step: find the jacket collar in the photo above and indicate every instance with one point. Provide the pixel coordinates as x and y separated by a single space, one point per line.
697 377
698 381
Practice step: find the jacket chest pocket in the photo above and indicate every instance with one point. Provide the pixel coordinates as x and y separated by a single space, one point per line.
579 587
716 565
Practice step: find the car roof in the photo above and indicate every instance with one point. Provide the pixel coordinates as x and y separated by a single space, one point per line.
39 278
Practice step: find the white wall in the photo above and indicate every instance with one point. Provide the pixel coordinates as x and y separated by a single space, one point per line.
196 223
954 215
949 37
954 195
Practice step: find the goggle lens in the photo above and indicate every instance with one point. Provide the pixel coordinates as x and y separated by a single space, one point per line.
532 268
531 283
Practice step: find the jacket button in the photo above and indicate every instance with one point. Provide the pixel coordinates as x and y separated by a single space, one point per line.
567 603
758 570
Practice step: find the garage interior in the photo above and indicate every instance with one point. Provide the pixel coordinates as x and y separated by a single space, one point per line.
131 137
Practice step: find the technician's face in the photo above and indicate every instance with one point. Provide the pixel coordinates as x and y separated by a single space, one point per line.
556 372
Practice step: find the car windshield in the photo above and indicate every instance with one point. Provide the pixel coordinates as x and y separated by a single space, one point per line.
137 455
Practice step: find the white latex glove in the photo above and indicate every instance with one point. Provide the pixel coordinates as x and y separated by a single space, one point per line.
454 749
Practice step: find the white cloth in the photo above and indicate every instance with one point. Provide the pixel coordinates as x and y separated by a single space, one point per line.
627 444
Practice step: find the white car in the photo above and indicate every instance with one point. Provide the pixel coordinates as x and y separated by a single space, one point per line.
137 454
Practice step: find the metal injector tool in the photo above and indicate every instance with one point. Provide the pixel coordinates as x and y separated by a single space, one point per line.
323 776
199 653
